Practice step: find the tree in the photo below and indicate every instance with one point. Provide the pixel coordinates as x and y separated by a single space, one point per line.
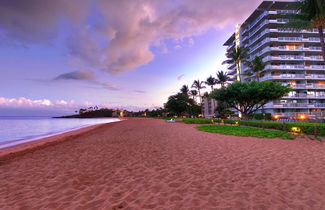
256 67
198 85
193 93
237 55
184 90
211 81
310 14
179 104
222 78
248 97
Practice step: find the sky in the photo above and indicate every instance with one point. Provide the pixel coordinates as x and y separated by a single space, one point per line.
59 56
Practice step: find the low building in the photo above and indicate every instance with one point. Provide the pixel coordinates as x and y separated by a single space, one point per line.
208 107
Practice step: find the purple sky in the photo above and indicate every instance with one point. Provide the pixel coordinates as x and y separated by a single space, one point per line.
58 56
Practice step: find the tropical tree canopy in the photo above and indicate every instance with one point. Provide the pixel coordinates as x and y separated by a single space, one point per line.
198 85
311 14
222 78
181 104
256 67
236 55
211 81
248 97
184 89
193 93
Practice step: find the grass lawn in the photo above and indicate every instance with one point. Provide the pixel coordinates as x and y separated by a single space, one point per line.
244 131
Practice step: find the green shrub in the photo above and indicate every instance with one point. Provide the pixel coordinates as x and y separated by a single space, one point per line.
245 131
259 116
198 121
306 127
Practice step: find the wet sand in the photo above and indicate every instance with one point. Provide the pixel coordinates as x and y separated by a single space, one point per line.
151 164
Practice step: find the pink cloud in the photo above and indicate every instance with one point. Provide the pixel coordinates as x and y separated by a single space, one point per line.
121 39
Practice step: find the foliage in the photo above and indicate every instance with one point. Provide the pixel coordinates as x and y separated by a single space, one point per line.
256 67
184 89
198 121
306 127
245 131
198 85
211 81
311 14
179 104
260 116
248 97
235 56
222 78
223 110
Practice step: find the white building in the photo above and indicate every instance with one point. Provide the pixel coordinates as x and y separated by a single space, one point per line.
292 58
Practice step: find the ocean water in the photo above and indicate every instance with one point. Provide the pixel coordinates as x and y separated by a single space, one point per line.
16 130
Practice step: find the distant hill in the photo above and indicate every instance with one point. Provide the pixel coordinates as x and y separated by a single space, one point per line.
96 113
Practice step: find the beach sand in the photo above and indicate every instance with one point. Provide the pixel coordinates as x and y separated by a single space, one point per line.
151 164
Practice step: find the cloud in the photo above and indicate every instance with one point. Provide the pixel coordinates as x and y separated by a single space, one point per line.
77 75
115 36
110 86
46 107
140 91
180 77
29 103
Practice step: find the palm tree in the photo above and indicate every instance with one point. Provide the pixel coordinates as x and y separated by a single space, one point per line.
193 93
184 90
236 56
222 78
198 85
211 81
311 14
256 67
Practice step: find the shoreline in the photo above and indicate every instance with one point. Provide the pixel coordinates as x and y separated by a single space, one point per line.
29 145
152 164
25 139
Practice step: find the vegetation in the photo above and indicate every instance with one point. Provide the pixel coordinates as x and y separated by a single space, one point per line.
304 127
245 131
211 81
311 14
248 97
184 90
256 67
222 78
193 93
198 85
236 56
198 121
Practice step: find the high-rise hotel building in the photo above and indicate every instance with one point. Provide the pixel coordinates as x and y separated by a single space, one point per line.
292 58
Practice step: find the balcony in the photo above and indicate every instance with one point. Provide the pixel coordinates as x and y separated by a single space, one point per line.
291 67
315 76
291 105
283 57
283 76
315 67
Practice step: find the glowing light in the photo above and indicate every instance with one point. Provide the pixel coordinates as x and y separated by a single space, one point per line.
302 117
276 117
295 130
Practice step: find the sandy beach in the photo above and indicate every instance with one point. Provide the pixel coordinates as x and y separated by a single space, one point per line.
151 164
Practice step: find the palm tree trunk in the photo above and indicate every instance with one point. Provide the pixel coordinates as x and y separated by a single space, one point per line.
211 88
200 96
321 36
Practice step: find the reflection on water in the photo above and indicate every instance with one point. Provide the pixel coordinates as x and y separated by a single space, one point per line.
15 129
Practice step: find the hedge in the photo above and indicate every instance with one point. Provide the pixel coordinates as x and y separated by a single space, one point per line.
305 127
200 121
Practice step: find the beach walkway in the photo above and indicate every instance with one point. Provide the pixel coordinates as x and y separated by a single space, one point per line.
151 164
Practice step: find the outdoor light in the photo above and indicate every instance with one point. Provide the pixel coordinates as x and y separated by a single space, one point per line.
295 130
302 117
276 117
